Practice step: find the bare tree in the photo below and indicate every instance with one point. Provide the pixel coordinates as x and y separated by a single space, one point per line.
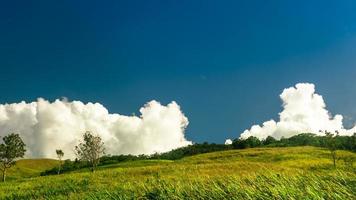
90 150
12 148
331 144
60 155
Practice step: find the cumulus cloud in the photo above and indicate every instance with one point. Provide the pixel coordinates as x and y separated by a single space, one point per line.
228 141
303 111
46 126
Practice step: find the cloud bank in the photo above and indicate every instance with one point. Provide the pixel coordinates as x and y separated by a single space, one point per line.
46 126
303 111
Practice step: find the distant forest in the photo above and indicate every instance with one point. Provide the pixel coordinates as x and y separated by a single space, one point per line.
304 139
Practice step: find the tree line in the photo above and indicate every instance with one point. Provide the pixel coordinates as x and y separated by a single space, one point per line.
304 139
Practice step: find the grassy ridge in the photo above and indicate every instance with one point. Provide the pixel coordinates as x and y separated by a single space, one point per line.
265 173
30 168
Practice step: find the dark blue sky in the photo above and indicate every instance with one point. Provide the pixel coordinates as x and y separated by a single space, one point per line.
224 62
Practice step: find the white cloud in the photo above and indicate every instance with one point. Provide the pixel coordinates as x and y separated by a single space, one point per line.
228 141
303 111
46 126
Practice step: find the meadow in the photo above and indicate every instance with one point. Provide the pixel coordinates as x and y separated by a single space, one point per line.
257 173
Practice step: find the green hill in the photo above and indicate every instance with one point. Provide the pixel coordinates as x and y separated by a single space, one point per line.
258 173
30 168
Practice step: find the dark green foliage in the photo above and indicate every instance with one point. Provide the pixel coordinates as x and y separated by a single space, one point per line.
191 150
253 142
67 166
269 140
304 139
107 160
250 142
346 142
239 144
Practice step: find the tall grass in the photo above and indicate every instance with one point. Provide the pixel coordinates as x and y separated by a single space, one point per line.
270 173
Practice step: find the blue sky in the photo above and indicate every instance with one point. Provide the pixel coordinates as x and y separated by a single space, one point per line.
223 62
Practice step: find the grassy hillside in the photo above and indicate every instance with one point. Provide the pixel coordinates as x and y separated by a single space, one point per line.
261 173
30 168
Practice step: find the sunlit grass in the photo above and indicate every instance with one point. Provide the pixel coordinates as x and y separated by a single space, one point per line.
29 168
266 173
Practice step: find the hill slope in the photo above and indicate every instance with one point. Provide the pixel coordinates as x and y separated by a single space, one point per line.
30 168
263 173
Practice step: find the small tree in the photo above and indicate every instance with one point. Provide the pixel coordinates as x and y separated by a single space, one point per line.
90 149
331 144
12 148
60 155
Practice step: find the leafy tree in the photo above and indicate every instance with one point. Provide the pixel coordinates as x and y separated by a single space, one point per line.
12 148
60 155
239 144
269 140
253 142
250 142
90 149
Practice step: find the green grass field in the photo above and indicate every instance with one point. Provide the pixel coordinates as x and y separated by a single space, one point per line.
261 173
27 168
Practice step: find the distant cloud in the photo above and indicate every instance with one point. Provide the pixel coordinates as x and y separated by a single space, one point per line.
46 126
228 141
303 111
